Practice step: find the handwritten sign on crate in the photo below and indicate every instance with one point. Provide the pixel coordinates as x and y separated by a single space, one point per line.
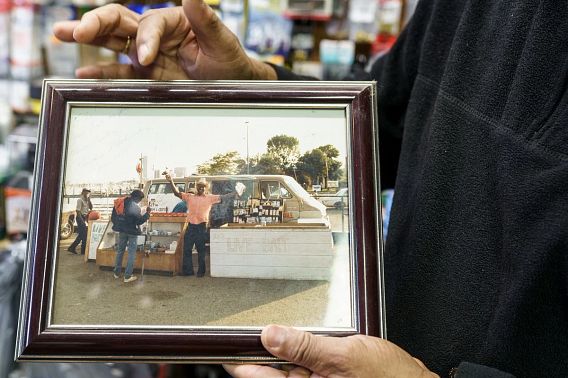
96 231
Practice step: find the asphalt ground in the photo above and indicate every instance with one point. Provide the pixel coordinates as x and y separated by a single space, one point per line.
87 295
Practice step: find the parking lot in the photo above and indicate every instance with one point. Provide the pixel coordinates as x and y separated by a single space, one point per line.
88 295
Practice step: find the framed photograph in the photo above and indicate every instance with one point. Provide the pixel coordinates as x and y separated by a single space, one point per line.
242 204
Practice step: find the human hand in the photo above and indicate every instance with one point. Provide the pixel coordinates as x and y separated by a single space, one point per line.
188 42
317 357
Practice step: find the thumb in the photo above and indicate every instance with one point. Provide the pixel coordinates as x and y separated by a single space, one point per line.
315 353
204 21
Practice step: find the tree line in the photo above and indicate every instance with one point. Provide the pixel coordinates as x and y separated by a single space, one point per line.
282 157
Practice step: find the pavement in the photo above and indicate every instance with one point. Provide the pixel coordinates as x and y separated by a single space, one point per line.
86 295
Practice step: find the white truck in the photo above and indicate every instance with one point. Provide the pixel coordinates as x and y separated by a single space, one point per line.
297 206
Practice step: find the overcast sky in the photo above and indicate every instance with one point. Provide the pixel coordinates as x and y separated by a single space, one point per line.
105 144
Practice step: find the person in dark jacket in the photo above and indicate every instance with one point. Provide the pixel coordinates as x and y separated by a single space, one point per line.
473 108
126 220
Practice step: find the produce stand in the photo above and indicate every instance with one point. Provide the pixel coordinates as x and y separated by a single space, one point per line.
163 244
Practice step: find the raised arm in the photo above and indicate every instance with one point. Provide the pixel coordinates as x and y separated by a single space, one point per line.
237 193
173 186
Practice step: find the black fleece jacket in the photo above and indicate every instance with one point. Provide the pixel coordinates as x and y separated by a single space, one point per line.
473 107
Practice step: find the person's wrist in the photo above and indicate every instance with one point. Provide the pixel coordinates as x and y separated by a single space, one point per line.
429 374
262 71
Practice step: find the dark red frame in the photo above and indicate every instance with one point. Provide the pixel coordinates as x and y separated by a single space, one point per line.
36 341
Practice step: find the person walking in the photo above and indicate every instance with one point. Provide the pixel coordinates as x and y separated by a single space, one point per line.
84 206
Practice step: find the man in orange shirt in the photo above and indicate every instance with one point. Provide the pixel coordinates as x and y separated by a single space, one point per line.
198 205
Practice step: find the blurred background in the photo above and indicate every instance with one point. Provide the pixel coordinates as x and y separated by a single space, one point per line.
327 39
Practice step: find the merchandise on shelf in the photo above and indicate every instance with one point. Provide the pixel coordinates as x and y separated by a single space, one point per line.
268 32
161 240
308 68
388 25
303 42
17 190
5 6
10 287
363 19
312 9
163 233
25 44
61 58
336 58
6 115
257 211
232 13
390 12
18 198
21 144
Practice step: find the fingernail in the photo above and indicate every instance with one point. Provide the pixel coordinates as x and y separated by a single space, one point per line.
143 52
275 336
75 33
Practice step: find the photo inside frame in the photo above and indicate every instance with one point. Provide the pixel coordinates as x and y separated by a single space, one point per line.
277 247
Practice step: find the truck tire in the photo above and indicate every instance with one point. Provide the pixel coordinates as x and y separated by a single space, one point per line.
66 231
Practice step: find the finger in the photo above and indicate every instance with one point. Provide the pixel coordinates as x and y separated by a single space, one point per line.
104 21
420 363
113 43
206 25
302 348
201 16
63 30
111 71
298 372
154 26
254 371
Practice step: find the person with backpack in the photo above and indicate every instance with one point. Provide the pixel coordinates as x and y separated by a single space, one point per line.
126 220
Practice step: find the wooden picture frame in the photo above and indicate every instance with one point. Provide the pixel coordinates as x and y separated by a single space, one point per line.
65 311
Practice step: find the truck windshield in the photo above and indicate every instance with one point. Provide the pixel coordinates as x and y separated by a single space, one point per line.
164 188
273 190
227 186
294 186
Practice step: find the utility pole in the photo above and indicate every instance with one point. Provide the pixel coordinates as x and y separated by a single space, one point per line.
248 160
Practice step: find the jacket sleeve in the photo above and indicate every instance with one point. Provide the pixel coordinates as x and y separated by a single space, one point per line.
395 74
227 198
285 74
470 370
133 211
143 218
